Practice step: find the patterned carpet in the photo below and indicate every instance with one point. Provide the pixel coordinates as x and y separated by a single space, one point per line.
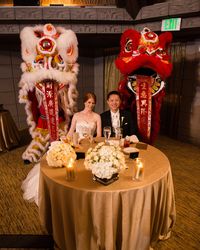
185 164
20 226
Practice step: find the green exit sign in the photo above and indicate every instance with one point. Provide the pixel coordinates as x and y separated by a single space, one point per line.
171 24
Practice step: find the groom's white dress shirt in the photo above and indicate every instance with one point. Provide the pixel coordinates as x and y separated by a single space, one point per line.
115 117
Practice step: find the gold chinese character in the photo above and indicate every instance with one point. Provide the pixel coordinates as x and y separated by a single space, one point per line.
143 103
143 94
143 111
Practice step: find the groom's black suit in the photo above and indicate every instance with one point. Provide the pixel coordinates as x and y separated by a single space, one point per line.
126 122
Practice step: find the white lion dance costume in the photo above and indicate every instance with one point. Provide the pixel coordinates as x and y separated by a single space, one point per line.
48 84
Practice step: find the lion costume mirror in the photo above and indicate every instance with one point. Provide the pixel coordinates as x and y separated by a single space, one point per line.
48 84
145 64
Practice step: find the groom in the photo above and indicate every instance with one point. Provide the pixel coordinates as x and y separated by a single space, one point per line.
116 117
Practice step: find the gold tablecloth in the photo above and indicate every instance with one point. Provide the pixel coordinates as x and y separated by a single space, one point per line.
9 134
125 215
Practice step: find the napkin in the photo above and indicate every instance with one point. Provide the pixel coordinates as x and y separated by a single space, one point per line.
133 139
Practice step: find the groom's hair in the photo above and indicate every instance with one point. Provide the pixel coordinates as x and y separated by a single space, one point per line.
114 92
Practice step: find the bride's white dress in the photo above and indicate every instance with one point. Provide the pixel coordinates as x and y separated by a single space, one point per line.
85 128
31 184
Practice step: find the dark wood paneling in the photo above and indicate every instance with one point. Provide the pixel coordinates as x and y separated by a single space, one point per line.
126 15
156 10
83 14
154 26
56 13
85 28
113 14
183 7
190 22
6 13
110 29
188 83
125 27
28 13
9 29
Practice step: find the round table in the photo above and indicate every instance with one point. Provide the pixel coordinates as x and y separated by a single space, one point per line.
126 214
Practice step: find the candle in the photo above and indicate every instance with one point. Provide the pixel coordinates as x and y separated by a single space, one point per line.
139 169
70 170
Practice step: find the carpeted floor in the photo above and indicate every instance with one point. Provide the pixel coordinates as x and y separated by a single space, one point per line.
185 164
19 221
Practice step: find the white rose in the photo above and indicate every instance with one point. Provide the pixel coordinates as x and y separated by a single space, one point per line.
96 158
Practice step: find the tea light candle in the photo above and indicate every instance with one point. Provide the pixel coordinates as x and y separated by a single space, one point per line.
139 168
70 170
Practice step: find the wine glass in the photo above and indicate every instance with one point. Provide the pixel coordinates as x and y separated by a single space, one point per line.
87 135
107 133
85 132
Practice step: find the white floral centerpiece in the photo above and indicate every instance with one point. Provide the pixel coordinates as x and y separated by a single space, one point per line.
105 160
59 154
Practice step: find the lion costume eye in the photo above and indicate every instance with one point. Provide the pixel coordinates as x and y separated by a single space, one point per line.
46 44
128 45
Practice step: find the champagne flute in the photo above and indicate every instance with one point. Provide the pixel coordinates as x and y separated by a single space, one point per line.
118 133
107 133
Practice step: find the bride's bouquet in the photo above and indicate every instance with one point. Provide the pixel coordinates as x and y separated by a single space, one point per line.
59 154
105 160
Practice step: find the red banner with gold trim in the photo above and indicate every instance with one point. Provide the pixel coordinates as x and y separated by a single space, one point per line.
143 102
51 108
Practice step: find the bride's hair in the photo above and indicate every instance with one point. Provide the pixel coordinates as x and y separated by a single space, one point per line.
89 95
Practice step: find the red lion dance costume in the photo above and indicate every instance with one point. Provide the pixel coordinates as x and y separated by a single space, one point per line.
48 84
144 62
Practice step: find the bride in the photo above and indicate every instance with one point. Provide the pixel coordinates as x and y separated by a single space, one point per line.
85 121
